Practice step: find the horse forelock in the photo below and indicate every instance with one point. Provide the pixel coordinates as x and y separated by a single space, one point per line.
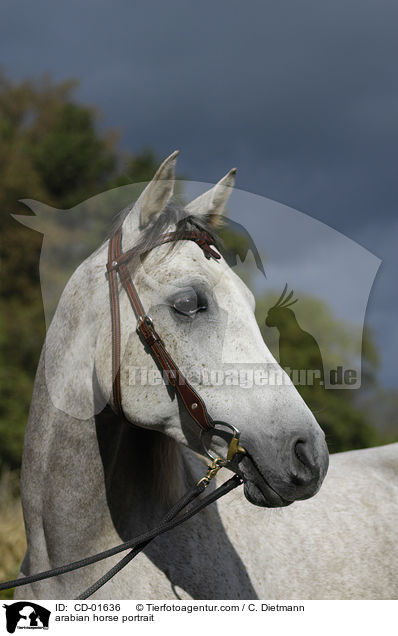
174 217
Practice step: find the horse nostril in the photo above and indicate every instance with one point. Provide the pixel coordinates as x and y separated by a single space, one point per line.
296 480
303 454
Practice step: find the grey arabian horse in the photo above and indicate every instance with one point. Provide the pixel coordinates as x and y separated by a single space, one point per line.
91 479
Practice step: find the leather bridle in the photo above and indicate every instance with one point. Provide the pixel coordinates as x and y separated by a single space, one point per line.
186 507
193 403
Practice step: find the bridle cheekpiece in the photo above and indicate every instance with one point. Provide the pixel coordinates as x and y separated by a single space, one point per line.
118 265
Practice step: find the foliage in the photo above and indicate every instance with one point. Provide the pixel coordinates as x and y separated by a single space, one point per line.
51 151
12 534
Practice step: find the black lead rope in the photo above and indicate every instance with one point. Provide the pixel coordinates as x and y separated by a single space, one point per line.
180 505
138 543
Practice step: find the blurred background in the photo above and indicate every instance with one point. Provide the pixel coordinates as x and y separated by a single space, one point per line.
301 97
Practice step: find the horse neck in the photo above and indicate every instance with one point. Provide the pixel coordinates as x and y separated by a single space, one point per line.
88 484
102 463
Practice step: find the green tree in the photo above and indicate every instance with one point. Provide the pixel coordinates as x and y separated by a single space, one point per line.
51 151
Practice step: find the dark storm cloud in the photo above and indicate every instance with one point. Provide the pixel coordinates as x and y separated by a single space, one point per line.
301 96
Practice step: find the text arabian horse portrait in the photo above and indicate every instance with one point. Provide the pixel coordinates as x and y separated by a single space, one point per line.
105 459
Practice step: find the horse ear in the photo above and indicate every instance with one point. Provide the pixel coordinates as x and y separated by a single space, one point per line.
159 191
213 201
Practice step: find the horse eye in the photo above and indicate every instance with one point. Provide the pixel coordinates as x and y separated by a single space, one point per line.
188 304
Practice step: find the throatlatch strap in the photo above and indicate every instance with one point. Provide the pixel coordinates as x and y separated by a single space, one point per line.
117 262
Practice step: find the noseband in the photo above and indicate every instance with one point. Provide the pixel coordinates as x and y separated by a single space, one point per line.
193 403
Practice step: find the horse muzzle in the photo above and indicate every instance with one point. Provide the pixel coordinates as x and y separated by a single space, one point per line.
278 479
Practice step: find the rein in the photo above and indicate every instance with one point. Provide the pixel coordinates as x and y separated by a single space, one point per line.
118 265
137 544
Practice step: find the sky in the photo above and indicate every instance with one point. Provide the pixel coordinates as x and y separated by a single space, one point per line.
302 97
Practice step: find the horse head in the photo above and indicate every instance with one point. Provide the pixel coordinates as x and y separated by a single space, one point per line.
204 313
